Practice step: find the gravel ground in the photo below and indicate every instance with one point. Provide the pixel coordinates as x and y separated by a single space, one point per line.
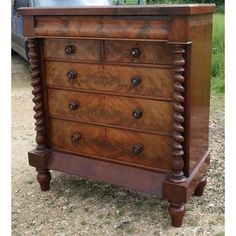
76 206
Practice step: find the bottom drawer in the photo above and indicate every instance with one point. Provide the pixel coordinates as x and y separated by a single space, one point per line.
118 145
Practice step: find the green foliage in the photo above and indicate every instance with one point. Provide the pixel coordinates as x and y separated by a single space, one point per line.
218 54
217 2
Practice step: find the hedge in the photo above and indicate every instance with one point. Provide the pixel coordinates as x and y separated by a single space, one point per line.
217 2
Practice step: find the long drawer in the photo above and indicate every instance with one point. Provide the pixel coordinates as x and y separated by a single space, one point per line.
113 144
137 81
131 27
120 111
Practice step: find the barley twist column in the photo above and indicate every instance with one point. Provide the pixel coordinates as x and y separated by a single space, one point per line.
43 176
37 92
178 114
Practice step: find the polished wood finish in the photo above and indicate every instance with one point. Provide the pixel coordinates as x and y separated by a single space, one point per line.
150 52
111 78
110 143
198 80
200 187
177 213
86 50
177 174
112 110
33 45
149 10
44 178
109 172
122 95
104 26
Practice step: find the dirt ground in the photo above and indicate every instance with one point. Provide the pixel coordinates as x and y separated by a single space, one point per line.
76 206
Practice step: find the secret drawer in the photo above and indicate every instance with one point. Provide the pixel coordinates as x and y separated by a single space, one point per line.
138 52
112 110
140 81
79 49
113 144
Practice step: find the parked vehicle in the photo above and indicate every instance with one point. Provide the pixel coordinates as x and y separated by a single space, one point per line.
19 42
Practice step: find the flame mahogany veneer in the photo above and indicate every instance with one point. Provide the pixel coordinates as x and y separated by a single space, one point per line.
122 96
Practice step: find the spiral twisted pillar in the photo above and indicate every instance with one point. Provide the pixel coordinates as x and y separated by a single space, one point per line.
37 92
177 174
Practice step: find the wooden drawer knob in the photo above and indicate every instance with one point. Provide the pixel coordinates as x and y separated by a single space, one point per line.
137 149
137 113
73 105
69 49
136 80
75 137
135 52
71 74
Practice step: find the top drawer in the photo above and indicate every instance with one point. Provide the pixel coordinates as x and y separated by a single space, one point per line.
131 27
79 49
138 52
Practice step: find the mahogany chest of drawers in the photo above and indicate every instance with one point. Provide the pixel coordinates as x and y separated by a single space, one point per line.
122 96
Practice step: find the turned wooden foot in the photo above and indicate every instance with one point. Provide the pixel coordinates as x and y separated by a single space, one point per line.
44 177
200 187
177 213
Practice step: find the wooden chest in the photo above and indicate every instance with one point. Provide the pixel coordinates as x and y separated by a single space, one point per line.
122 96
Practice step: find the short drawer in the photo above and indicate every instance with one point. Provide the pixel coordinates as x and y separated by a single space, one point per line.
138 52
120 111
113 144
140 81
79 49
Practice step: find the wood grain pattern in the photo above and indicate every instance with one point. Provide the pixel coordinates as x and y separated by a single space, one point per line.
178 114
177 212
87 50
184 190
111 78
126 10
102 26
44 177
151 52
169 47
200 187
129 176
111 110
37 93
198 90
112 144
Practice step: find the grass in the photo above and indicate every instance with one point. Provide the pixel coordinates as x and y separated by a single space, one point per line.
218 66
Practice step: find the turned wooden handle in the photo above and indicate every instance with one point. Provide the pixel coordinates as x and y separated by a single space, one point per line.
137 149
137 113
73 105
75 137
69 49
136 80
135 52
71 74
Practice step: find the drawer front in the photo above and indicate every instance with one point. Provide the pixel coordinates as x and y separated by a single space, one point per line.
138 81
132 27
79 49
112 144
126 112
138 52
